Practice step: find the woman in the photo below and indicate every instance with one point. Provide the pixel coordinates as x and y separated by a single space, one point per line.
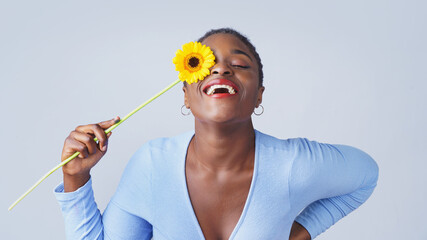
225 180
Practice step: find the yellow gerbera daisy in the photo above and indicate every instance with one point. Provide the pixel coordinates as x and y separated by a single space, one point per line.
193 62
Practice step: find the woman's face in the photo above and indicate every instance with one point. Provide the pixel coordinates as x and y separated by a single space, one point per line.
235 70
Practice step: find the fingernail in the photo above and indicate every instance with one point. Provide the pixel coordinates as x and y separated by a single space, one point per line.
104 148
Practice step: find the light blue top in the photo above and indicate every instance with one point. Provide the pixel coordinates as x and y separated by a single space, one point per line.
327 181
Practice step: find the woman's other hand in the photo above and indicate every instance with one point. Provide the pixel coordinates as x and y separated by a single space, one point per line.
77 171
298 232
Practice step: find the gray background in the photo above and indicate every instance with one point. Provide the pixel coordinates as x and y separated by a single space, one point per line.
349 72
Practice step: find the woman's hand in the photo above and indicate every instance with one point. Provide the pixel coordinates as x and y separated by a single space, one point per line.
298 232
77 171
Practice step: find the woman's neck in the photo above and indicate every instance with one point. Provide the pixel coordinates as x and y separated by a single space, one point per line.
223 147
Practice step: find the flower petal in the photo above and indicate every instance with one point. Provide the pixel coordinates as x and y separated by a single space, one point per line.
192 74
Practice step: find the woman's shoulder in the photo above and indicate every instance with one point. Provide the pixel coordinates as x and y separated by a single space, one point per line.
307 152
319 157
301 144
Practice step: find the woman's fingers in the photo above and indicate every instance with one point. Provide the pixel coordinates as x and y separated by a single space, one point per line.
103 143
72 146
109 134
85 139
99 131
109 123
82 140
96 130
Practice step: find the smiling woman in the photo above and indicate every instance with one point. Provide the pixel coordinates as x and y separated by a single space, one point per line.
224 180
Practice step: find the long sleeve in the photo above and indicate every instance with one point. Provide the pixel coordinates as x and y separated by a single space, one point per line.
324 181
328 182
83 220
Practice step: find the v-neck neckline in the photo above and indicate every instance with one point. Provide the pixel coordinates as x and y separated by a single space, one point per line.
248 198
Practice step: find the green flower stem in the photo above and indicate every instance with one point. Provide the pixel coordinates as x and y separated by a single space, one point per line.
95 139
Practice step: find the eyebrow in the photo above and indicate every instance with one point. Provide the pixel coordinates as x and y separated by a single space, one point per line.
237 51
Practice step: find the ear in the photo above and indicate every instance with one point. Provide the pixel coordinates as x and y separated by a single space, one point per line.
259 98
186 102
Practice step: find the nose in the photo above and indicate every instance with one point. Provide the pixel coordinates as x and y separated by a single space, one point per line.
221 69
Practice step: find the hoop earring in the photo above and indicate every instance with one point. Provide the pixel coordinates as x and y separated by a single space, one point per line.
183 113
262 111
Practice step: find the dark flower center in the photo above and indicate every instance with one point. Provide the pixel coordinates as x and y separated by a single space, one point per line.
193 62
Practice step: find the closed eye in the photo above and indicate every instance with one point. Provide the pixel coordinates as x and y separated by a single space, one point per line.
240 66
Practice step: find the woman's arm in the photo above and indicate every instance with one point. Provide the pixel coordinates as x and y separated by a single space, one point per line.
82 218
328 182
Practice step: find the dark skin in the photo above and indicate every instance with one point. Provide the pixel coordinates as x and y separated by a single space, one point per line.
220 157
221 154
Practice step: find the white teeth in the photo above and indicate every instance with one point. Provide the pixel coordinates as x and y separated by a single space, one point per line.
212 88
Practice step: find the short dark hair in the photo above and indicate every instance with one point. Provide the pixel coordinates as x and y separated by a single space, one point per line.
242 38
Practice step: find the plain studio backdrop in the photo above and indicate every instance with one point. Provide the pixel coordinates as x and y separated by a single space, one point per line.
347 72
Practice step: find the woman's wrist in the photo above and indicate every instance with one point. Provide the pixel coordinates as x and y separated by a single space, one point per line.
74 182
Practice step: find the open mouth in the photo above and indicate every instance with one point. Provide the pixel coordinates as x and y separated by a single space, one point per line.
220 87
